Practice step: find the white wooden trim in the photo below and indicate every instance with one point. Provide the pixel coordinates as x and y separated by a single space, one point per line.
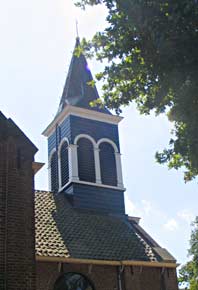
73 162
119 169
49 168
93 184
50 156
97 165
65 139
96 155
59 171
78 137
103 140
59 160
117 160
100 185
83 113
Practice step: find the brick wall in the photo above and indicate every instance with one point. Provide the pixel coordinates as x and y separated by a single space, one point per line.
150 278
103 277
17 248
106 277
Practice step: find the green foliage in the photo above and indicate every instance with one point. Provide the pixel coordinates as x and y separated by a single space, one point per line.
151 49
83 3
189 272
194 243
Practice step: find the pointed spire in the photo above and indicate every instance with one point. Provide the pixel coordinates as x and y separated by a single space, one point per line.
77 90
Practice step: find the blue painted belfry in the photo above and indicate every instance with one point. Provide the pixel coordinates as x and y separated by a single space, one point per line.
83 145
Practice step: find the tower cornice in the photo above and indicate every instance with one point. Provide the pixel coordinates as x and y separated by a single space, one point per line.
83 113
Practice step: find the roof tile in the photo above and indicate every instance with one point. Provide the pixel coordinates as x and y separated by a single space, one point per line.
62 231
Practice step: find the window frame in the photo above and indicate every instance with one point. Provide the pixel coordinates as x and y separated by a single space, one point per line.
75 273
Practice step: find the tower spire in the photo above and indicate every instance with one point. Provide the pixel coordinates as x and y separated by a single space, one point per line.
78 90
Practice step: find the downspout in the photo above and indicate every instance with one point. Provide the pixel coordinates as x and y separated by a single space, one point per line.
57 169
6 215
162 280
120 270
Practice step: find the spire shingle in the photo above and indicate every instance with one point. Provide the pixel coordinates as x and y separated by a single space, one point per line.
77 90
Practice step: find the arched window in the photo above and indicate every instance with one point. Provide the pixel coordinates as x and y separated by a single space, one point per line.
54 172
108 164
73 281
64 164
86 163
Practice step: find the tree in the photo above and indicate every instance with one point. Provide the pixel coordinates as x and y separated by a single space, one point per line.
189 272
151 49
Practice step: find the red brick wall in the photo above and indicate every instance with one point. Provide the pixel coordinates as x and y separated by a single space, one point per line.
105 277
147 278
17 247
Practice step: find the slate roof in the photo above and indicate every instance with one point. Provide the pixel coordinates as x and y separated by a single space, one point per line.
77 91
65 232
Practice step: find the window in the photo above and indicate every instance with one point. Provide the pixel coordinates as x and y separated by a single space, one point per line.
108 164
73 281
64 164
54 172
86 163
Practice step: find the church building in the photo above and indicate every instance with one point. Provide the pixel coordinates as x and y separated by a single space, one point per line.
76 236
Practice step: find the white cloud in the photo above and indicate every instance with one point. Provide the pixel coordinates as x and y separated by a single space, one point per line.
131 208
186 215
142 209
171 225
146 206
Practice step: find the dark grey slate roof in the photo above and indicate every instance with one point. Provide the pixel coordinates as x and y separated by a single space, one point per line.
77 91
65 232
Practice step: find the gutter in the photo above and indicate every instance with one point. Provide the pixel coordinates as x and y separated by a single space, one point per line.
106 262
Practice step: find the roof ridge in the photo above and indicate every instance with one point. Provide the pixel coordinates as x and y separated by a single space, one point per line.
42 190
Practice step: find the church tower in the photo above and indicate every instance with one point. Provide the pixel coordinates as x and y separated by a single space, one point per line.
75 236
84 239
83 146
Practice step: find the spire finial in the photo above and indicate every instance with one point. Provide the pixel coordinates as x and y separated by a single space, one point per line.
77 34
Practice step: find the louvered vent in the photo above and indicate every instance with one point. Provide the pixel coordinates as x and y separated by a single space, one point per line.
64 164
86 164
54 172
108 164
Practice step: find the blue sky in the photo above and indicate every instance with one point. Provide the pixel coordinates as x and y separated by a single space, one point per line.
37 39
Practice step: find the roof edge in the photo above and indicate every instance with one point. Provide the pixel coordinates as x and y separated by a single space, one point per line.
13 129
106 262
80 112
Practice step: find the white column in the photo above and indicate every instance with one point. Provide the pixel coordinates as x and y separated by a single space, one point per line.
59 171
97 165
119 169
73 162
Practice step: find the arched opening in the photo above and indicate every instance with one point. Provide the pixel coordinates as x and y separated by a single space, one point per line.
108 164
73 281
64 164
86 162
54 172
